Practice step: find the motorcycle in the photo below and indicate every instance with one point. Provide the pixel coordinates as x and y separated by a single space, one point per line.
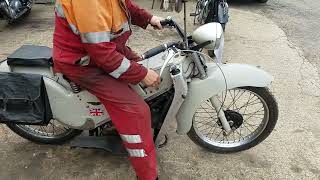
12 10
211 11
224 108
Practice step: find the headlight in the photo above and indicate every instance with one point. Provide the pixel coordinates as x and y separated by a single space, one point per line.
209 32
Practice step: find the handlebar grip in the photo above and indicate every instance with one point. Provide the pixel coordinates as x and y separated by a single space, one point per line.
154 51
166 22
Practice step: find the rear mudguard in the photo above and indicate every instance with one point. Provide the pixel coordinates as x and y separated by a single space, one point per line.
237 75
76 110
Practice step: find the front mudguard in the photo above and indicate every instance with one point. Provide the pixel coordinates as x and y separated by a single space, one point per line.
237 75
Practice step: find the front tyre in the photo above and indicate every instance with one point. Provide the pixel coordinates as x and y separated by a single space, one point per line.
53 133
251 112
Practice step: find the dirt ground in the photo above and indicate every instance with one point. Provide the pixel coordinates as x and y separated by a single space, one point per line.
291 152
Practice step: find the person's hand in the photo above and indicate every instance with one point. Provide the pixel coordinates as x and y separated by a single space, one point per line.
155 22
152 79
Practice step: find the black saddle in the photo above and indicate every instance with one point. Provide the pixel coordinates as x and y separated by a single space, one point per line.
31 56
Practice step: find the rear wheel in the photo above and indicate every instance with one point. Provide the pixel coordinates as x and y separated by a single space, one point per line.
251 112
53 133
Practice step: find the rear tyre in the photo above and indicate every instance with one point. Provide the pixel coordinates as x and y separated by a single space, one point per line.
50 134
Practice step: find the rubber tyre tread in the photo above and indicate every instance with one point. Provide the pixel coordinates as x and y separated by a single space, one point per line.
273 117
61 140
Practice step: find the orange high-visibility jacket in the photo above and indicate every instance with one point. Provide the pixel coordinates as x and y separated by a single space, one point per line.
97 31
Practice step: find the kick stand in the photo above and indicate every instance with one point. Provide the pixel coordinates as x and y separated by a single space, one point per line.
112 144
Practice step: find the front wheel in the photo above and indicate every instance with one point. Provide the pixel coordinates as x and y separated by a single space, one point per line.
251 112
53 133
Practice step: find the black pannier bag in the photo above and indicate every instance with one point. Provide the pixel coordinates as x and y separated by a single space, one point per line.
23 99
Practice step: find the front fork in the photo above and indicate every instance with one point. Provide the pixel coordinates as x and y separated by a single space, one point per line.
181 90
222 118
214 100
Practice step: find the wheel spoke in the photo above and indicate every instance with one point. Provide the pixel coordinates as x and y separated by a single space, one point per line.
252 115
218 135
252 125
246 127
51 130
214 130
236 99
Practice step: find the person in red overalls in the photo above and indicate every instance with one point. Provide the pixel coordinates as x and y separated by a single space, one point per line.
89 48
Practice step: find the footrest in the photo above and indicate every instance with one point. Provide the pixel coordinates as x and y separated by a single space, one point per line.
112 144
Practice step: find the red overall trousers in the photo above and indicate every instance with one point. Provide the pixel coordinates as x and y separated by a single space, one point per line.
89 49
128 111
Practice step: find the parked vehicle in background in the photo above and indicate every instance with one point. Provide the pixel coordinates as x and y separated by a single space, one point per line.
12 10
211 11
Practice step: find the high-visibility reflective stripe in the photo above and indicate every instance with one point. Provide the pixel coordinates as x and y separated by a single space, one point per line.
74 29
124 66
131 138
136 153
84 61
59 10
95 37
125 28
99 37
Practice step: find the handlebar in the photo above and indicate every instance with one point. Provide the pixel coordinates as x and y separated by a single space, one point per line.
169 22
156 50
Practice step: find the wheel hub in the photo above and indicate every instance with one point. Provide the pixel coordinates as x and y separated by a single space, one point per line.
234 118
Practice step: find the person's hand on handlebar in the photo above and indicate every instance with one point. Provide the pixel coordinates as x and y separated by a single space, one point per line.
155 22
152 79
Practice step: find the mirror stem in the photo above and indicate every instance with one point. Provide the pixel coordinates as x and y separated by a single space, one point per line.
185 23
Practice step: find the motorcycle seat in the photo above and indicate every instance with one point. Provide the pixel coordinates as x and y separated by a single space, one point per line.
31 56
